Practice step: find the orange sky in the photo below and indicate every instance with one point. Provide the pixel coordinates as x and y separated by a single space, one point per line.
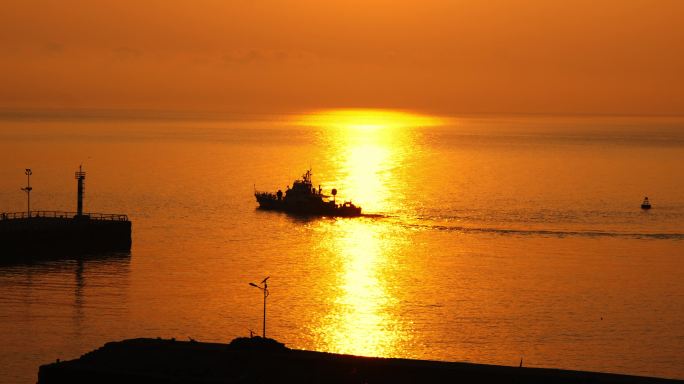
447 57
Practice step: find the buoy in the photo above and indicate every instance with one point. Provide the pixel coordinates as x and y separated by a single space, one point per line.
646 204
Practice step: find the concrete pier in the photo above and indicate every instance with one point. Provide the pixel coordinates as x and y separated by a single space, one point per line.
52 234
46 234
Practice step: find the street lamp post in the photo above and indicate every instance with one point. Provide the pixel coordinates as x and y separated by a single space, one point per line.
264 289
28 189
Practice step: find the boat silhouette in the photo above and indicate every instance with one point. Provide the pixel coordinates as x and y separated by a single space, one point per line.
304 199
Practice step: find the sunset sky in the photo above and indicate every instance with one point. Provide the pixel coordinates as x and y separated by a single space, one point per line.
443 57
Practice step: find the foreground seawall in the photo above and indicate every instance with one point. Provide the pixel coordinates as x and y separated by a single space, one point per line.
260 360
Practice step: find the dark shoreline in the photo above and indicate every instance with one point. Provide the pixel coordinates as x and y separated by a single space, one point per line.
260 360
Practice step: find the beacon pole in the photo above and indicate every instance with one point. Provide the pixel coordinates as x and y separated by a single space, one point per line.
28 189
264 289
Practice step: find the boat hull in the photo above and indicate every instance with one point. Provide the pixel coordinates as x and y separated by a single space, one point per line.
311 208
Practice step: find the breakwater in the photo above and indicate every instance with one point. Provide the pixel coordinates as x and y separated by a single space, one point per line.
51 233
257 360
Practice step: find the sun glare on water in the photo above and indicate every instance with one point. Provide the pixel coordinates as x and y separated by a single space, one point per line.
363 319
368 157
367 148
367 119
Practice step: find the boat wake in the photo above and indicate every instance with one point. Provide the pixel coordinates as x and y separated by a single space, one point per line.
415 223
550 233
375 215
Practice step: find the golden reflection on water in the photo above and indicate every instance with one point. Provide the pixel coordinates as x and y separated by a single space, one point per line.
367 119
363 319
366 175
369 150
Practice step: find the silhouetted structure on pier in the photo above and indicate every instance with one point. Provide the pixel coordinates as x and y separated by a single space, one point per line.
54 233
80 177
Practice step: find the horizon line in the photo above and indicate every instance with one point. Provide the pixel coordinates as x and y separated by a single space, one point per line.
51 113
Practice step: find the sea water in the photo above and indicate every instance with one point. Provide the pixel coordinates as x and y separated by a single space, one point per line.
488 239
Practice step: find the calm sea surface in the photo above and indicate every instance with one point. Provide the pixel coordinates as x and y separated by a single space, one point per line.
492 239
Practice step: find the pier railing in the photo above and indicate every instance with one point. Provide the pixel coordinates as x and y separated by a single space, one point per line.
62 215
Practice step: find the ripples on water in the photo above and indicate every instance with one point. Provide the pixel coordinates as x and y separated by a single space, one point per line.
486 240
